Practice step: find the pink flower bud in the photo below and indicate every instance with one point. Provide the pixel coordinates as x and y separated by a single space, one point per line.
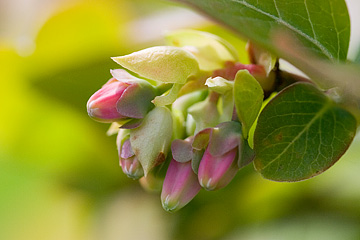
224 152
102 104
216 172
122 97
180 186
129 162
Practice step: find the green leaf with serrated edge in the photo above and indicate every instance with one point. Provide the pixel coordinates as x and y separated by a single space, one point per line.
323 26
300 133
210 50
151 140
248 96
163 64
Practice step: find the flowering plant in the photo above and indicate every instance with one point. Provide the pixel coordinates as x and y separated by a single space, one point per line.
198 112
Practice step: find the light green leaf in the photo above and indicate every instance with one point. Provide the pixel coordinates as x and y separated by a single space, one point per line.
300 133
151 140
323 26
164 64
248 96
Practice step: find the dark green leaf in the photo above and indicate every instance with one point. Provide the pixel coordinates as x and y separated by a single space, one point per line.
300 134
323 26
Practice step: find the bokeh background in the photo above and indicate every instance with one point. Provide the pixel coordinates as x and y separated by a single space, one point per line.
59 172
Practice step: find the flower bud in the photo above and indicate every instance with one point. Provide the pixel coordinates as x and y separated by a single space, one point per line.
180 186
225 152
216 172
129 162
122 97
102 104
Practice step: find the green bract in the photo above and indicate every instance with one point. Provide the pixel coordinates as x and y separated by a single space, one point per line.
164 64
248 96
151 141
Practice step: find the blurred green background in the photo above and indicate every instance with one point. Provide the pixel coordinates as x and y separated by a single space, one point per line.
59 173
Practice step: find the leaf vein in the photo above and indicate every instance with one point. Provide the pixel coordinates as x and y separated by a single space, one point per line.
309 19
306 128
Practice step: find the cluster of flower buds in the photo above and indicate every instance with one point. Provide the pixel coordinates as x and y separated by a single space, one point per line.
179 127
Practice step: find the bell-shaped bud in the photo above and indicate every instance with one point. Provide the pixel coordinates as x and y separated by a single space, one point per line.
129 162
180 186
102 104
225 152
127 159
122 97
216 172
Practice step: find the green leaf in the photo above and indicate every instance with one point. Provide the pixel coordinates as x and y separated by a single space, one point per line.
248 96
164 64
301 133
323 26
